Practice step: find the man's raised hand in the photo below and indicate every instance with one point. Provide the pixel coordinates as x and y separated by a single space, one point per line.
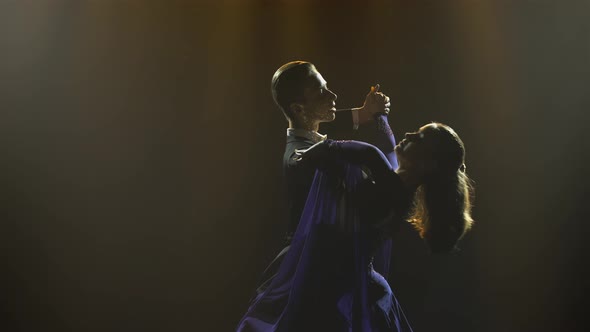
375 103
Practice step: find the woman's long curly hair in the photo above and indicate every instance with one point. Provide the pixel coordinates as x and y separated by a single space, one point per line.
442 205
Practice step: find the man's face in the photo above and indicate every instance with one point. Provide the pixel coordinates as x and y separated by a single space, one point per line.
319 104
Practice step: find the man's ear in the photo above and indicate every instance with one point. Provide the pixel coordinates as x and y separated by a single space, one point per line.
296 108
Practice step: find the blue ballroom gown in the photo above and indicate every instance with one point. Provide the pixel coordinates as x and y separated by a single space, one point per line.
332 275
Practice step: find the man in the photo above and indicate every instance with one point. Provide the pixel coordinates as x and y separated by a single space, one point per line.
302 94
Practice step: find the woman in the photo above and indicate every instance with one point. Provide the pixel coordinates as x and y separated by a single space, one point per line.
432 164
332 276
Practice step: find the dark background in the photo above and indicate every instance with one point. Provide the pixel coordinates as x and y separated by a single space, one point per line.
140 168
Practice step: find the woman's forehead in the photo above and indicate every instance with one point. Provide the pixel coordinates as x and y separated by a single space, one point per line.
429 132
428 127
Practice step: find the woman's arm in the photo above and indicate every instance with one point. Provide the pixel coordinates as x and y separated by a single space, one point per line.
354 152
382 137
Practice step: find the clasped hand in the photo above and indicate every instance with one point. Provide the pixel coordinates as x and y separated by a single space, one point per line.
376 103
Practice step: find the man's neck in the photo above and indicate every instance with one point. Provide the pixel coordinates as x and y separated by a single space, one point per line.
315 126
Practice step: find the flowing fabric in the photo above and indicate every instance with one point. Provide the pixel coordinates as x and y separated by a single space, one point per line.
331 278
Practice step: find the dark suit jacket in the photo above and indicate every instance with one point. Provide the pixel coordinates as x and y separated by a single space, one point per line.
298 176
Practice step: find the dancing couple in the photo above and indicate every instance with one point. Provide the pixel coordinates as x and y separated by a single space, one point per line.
346 200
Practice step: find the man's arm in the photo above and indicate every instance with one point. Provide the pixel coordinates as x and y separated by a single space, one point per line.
368 123
347 123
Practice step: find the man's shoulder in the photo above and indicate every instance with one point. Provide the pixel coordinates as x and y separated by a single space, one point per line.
295 143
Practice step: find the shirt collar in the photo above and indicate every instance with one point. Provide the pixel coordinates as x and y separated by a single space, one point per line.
313 136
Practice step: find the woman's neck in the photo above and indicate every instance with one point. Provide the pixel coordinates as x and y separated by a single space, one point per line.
411 180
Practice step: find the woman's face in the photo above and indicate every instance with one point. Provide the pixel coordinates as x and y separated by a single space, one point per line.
416 150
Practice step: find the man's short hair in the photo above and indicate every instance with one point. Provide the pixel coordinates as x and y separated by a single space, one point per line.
288 84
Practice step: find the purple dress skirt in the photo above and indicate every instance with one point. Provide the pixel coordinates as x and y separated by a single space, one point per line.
331 276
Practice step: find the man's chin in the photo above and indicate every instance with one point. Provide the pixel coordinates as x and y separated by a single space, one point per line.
328 119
